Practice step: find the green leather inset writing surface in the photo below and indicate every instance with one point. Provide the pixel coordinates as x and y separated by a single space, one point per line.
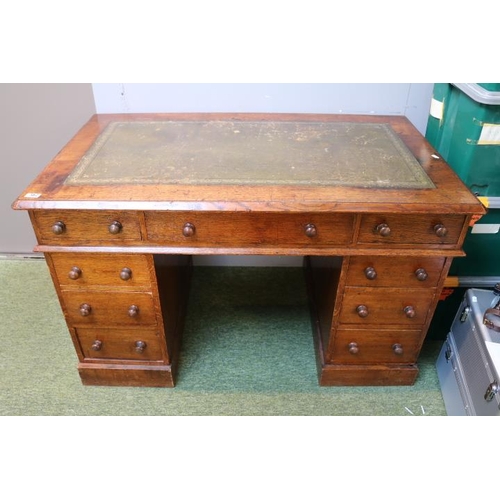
250 153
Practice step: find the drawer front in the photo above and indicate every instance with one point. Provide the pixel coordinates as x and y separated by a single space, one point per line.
377 306
411 272
109 308
362 346
224 229
397 229
68 227
315 229
122 344
81 269
217 229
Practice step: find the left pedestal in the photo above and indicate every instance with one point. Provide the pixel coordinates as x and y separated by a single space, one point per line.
125 314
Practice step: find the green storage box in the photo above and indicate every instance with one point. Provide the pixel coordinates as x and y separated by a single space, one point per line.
482 248
464 127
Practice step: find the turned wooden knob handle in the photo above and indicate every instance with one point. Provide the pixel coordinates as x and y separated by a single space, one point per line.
398 349
115 227
85 309
370 273
362 311
353 348
421 274
140 345
75 273
125 274
440 230
310 230
97 345
188 230
133 311
409 311
59 227
383 229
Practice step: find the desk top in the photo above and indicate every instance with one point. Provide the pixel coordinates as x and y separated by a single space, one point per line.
249 162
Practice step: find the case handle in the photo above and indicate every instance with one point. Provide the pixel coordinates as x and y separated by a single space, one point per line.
491 319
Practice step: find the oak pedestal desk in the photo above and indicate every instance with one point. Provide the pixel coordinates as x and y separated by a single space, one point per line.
374 210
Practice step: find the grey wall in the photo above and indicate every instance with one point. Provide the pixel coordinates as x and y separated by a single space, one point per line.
408 99
36 120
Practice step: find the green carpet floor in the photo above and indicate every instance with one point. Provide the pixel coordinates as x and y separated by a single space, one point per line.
247 350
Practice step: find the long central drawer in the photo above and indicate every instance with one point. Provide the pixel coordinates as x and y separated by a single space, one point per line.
237 229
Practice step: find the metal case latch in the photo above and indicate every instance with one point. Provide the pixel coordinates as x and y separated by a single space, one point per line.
491 391
465 314
448 353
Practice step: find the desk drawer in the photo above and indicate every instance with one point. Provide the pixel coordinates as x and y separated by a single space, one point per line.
109 308
215 229
86 227
88 269
122 344
361 346
397 229
226 229
386 306
421 272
